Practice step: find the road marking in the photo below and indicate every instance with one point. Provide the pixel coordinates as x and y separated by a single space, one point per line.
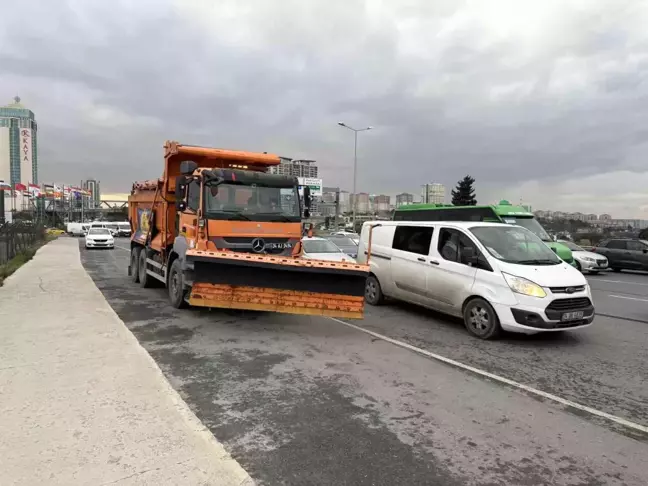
122 248
617 281
628 298
501 379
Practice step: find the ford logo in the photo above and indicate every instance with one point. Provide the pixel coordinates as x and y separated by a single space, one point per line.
570 290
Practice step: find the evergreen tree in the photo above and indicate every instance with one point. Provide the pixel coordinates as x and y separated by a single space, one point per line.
464 193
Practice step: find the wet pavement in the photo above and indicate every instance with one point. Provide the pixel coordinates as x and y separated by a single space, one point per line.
307 400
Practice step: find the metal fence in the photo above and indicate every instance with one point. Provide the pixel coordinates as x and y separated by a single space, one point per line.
17 237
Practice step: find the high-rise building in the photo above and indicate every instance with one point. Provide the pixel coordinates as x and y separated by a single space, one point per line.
295 168
381 203
92 185
361 203
433 193
404 199
18 144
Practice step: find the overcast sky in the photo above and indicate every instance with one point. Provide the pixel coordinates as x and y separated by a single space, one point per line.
544 101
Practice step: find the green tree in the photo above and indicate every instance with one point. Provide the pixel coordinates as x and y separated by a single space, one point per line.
464 193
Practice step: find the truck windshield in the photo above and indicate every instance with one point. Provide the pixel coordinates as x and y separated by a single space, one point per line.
254 203
529 223
515 245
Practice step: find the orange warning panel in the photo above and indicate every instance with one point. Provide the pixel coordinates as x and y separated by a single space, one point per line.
276 300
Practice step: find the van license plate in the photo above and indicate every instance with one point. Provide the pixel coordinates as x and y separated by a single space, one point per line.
572 316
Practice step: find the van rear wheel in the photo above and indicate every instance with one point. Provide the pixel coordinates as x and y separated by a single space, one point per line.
481 319
373 291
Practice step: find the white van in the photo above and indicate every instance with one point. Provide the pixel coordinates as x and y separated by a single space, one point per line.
496 276
77 229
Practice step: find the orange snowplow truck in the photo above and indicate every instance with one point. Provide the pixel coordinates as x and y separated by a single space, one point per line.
219 231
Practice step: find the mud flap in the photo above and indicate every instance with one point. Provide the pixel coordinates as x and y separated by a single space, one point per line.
264 283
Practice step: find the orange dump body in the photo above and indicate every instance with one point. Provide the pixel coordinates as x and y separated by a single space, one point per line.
220 276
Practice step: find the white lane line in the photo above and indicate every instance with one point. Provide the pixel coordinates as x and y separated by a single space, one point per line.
617 281
122 248
628 298
501 379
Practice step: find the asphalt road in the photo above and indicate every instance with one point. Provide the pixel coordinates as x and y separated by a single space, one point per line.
621 294
308 400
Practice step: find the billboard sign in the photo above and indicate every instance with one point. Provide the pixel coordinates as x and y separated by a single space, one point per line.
26 163
314 184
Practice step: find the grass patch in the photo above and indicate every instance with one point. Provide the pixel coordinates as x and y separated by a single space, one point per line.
21 258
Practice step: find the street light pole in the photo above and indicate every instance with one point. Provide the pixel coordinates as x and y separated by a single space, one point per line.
355 164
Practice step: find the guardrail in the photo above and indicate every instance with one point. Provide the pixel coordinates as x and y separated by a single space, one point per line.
18 237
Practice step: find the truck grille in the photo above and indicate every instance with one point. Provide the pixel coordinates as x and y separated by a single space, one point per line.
570 304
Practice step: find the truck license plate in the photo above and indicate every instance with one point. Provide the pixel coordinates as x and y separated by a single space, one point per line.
572 316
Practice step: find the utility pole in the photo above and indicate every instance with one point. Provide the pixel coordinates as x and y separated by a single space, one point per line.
355 163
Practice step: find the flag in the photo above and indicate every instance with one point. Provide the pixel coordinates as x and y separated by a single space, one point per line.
35 190
4 185
20 187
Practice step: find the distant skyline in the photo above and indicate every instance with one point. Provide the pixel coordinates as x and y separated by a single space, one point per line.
544 101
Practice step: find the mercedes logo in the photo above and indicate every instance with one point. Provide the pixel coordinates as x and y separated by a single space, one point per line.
258 245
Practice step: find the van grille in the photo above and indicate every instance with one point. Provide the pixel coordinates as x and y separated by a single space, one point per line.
563 290
570 304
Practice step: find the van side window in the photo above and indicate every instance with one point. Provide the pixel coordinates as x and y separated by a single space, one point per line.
193 195
451 244
413 239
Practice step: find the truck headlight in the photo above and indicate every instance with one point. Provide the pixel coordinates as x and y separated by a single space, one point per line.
523 286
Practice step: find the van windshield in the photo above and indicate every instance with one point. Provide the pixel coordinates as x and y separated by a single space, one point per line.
514 244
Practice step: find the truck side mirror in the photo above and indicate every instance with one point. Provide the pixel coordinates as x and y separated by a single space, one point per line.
307 197
187 167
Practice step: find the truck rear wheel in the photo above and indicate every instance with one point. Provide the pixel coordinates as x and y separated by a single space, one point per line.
145 280
134 264
176 286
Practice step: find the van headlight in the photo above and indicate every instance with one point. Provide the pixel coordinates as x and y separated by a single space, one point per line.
523 286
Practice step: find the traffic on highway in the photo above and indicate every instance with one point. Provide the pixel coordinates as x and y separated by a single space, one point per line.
405 395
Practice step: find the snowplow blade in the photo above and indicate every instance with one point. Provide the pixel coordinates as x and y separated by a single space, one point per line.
277 284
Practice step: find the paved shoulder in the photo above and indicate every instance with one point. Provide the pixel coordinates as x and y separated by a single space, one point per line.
83 402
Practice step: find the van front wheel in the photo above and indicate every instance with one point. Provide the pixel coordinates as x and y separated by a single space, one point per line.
373 292
481 320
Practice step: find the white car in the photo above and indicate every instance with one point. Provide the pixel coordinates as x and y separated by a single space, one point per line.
316 248
99 238
587 261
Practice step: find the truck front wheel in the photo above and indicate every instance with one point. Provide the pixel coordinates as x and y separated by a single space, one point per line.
176 286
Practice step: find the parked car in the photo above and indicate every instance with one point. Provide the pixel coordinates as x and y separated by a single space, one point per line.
624 253
346 244
344 233
586 261
99 238
318 248
495 276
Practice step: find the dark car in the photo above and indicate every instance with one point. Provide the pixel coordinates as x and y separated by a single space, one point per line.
346 244
624 253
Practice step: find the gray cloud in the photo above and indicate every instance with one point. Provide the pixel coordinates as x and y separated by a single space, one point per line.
515 95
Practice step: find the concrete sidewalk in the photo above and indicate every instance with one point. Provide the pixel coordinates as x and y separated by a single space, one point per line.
80 401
